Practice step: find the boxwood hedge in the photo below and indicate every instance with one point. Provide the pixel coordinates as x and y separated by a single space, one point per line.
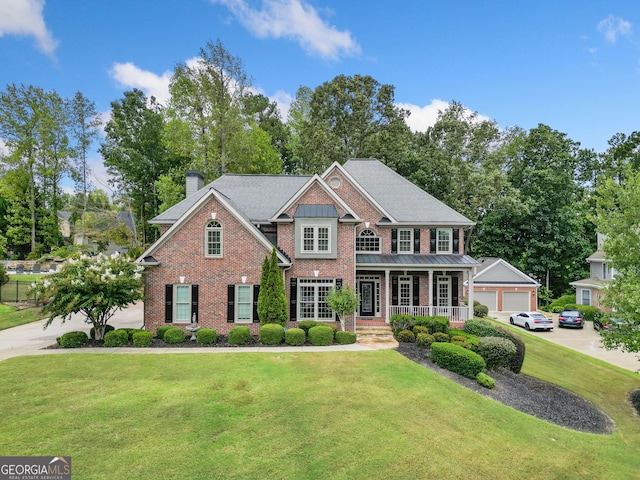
457 359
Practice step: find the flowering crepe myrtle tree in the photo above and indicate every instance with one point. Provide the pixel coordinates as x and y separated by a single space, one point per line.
95 286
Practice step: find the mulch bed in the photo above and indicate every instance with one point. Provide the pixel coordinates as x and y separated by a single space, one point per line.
529 395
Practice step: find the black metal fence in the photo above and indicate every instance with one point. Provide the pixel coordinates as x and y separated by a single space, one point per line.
16 291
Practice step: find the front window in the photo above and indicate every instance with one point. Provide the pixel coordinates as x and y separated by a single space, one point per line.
311 299
368 241
182 304
315 239
444 240
244 303
586 296
405 291
405 240
213 239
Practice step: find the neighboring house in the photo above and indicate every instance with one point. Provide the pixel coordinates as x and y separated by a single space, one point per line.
589 290
503 288
359 224
124 220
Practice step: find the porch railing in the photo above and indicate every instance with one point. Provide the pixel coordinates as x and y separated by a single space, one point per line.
454 314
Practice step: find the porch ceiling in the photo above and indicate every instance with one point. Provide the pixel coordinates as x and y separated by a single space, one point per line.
368 260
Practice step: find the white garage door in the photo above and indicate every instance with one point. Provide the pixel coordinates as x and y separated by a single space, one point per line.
515 302
490 299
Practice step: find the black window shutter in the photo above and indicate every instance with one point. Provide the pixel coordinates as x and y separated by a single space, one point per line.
456 240
454 292
194 302
293 299
394 240
338 283
256 294
416 291
168 303
434 300
432 243
394 290
416 240
231 303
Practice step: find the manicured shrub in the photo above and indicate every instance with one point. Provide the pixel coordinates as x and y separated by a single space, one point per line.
306 325
480 310
457 359
481 328
516 361
441 337
116 338
173 335
434 324
420 329
471 341
485 380
496 351
271 334
401 322
107 328
295 336
321 335
239 335
346 338
424 340
160 331
130 331
406 336
207 336
559 303
588 312
458 340
142 339
73 340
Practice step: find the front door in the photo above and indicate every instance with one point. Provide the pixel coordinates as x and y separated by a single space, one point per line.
367 298
443 296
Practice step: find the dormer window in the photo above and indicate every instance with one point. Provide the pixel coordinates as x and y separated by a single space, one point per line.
367 242
213 239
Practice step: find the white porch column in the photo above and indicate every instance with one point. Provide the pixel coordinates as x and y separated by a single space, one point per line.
430 280
470 297
386 296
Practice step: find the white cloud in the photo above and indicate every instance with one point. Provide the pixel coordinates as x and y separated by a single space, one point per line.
283 100
24 17
294 19
422 118
613 27
129 75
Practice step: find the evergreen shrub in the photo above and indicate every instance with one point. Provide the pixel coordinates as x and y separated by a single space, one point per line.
496 351
420 329
485 380
480 311
457 359
306 325
271 334
440 337
107 328
73 340
424 340
142 339
173 335
406 336
346 338
321 335
239 335
116 338
207 336
295 336
160 331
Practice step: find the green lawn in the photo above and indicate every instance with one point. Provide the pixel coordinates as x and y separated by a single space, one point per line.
305 416
11 317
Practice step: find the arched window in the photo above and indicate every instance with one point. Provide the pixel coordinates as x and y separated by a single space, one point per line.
213 239
368 241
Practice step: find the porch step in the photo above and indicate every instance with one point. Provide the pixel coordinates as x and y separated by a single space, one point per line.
378 337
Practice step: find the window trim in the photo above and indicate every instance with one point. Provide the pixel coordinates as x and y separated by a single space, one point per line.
400 241
236 316
315 239
369 234
449 249
316 283
588 291
209 228
176 287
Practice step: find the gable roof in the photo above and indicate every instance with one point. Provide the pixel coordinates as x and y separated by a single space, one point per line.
406 202
496 271
195 207
257 196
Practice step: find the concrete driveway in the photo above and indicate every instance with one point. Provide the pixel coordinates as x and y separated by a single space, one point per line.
30 338
585 340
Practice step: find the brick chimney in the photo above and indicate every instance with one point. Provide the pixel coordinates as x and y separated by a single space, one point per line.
195 181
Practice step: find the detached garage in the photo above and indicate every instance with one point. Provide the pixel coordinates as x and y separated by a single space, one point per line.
503 288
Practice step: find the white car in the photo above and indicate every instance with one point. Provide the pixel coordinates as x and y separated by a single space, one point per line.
531 321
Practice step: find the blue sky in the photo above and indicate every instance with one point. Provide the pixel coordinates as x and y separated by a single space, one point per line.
569 64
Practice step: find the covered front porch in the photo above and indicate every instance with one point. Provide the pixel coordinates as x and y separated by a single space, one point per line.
424 285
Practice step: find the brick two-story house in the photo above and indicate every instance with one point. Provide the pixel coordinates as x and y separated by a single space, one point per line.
358 224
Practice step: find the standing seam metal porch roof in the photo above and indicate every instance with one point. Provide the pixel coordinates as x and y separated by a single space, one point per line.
415 260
